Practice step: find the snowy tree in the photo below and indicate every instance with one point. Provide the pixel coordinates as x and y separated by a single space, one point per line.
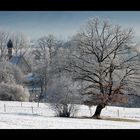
10 73
62 91
20 43
100 58
4 36
11 87
49 57
62 94
13 92
46 49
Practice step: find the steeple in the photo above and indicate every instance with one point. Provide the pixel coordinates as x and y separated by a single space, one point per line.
9 47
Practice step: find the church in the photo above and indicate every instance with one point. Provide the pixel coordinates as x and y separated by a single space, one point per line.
19 60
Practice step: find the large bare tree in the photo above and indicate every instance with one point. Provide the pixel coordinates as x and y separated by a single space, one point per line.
102 57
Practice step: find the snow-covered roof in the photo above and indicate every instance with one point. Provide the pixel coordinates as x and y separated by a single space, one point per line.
29 77
32 77
14 60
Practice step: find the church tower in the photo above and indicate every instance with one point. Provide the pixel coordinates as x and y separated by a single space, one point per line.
9 47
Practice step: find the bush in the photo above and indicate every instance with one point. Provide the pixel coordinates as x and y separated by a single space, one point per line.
13 92
10 73
64 110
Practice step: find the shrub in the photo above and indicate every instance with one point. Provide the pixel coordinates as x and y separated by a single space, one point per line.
13 92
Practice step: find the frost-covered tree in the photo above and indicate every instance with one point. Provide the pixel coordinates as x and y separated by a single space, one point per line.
4 36
62 91
62 94
11 87
103 58
46 49
13 92
10 73
20 43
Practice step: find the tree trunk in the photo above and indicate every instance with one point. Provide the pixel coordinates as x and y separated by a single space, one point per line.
98 111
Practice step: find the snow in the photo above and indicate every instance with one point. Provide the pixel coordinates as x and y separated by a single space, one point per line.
27 115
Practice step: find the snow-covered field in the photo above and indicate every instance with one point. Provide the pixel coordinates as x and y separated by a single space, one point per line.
27 115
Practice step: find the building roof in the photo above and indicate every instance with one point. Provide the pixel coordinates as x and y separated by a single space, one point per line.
15 60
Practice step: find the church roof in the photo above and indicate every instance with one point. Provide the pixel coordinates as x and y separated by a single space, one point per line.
15 60
20 60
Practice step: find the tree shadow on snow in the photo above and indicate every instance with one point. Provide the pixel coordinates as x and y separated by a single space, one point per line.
109 119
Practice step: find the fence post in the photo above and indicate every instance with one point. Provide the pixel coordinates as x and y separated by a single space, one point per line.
4 108
118 112
90 111
32 109
37 104
21 99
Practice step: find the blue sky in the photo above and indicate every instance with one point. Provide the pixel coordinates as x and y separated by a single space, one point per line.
63 24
